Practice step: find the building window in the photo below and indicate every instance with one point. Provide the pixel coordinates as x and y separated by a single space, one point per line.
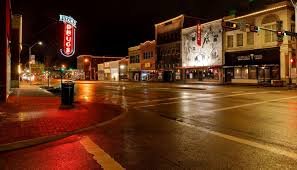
270 36
230 41
250 38
134 59
292 30
239 38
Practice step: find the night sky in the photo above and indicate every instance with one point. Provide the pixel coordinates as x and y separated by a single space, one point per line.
110 27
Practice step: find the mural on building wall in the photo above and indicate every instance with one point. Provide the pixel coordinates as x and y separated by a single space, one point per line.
209 52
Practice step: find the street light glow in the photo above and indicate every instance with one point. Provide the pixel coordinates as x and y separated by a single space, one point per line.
122 66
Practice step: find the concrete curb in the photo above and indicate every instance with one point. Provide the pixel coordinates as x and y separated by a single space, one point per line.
192 88
46 139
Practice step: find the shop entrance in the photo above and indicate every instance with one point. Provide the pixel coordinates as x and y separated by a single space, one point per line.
200 75
229 75
168 76
264 74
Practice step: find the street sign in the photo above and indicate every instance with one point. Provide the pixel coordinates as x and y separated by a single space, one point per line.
68 48
293 34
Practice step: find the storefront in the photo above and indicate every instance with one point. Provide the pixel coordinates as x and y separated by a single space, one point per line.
148 72
114 70
209 74
134 72
253 66
107 73
100 71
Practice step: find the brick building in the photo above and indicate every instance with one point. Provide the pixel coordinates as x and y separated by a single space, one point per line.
134 63
88 65
168 42
148 60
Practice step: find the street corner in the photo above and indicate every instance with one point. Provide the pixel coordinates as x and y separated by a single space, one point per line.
28 128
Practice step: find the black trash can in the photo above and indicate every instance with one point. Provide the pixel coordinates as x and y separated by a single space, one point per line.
67 93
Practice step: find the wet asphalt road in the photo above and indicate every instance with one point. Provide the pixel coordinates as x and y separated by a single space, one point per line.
165 127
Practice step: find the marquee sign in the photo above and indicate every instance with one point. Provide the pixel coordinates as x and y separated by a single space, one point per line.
68 48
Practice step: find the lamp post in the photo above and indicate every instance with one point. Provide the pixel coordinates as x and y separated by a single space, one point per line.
86 60
30 51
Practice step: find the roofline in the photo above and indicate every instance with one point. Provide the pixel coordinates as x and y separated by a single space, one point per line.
258 12
99 56
206 23
161 23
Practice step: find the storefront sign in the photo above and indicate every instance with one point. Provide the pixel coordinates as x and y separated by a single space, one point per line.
253 57
68 48
250 57
147 65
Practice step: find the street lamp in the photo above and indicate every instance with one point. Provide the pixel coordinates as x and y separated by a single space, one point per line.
87 62
30 51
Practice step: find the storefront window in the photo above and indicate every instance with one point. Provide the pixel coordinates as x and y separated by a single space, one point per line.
275 73
245 73
253 73
237 73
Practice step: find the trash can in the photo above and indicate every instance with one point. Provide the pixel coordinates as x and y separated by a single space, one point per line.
67 93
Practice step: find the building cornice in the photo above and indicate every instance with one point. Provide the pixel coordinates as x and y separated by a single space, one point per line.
258 12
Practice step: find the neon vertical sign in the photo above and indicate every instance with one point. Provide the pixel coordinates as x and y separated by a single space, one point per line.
68 48
199 29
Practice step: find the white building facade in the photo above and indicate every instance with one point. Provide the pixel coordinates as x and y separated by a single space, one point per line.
251 57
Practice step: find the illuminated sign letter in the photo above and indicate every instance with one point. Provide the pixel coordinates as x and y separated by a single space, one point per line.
199 34
68 48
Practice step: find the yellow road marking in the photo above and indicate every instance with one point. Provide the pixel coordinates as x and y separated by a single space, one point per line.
102 158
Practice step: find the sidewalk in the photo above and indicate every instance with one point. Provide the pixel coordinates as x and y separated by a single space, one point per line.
32 113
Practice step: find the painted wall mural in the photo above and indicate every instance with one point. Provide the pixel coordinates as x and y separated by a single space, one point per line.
202 46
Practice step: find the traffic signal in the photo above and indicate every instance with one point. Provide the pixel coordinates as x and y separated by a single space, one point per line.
280 36
254 28
230 25
63 68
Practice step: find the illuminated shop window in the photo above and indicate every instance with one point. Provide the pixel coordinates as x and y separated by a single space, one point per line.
237 73
245 73
253 73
